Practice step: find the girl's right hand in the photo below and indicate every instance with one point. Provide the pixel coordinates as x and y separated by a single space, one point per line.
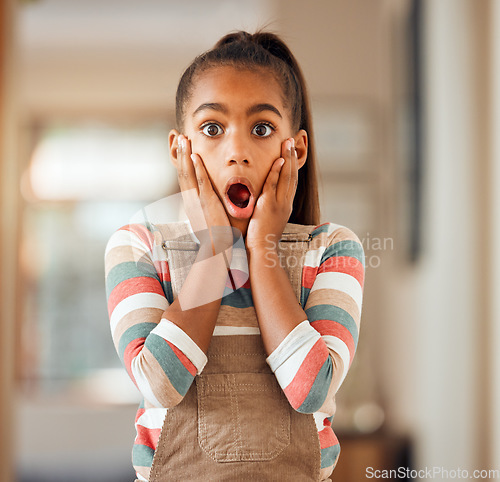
203 207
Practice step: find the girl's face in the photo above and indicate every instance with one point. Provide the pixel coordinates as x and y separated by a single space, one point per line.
236 121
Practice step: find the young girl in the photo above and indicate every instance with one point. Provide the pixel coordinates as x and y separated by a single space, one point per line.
238 375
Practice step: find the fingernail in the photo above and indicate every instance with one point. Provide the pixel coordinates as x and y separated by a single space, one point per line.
193 158
292 140
282 161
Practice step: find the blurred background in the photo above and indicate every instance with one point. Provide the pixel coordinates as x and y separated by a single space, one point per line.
406 103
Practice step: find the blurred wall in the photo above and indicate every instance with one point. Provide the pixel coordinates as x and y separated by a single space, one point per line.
118 57
494 183
8 236
448 311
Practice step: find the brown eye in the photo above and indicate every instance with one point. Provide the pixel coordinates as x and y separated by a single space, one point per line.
212 130
262 130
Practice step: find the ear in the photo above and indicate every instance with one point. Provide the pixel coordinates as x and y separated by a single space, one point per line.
301 143
173 145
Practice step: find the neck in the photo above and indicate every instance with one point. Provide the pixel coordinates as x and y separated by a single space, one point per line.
241 225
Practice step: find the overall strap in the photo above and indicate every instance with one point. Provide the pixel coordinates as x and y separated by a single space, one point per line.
178 245
292 250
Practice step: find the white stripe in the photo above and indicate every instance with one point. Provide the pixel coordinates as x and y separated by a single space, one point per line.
123 237
135 302
140 477
177 336
142 381
117 239
239 260
338 346
152 418
319 418
301 335
287 370
342 282
312 258
333 227
236 330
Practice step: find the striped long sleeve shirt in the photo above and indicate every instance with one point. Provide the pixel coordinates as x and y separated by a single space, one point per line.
310 364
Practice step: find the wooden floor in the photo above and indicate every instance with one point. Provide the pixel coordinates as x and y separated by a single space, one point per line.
362 455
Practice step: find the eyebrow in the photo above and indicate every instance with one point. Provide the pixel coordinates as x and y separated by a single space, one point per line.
254 109
211 106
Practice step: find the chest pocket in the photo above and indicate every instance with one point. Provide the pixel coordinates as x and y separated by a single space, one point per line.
242 417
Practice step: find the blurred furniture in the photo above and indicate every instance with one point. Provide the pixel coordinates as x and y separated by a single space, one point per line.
362 454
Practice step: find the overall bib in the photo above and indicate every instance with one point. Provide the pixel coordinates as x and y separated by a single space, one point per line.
235 423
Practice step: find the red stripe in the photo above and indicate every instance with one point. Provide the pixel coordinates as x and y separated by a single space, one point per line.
344 264
142 232
139 413
324 224
147 436
188 365
334 328
163 270
240 279
300 386
132 286
308 276
131 351
327 438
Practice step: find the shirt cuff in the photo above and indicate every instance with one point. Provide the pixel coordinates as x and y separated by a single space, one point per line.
303 334
178 337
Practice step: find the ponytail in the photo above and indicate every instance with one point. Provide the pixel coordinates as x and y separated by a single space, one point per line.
268 51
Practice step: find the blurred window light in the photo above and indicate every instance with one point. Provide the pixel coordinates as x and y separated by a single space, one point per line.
100 162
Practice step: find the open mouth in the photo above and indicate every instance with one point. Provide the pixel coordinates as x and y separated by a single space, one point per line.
239 195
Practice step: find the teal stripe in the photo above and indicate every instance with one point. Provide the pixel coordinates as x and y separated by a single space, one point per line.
142 456
347 247
334 313
319 390
127 270
329 455
167 290
304 295
141 330
174 370
319 230
241 298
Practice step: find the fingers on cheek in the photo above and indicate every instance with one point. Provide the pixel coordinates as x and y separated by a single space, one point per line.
196 170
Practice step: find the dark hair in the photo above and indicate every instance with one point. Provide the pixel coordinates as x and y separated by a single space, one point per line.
265 50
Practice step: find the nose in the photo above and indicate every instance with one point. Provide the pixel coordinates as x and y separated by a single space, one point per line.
237 151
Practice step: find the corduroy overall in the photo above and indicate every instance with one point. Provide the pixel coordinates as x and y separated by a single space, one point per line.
235 423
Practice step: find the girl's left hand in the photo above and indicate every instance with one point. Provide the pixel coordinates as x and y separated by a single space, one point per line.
275 203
